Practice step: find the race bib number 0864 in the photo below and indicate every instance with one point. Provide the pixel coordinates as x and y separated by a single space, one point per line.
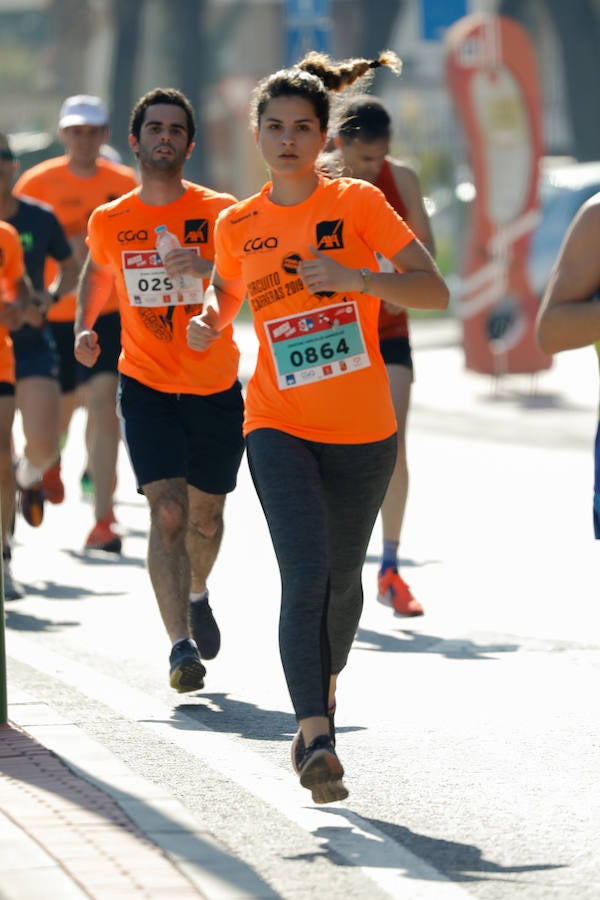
321 343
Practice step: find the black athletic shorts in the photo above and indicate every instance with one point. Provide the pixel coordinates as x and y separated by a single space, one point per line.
72 373
198 438
396 351
35 353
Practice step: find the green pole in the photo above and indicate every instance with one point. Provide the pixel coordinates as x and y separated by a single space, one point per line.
3 695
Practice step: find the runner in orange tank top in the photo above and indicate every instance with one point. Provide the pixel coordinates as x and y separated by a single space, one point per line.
362 141
74 185
15 298
181 411
320 427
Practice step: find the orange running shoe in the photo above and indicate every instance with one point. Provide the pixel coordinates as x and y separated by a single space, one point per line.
102 537
394 591
54 489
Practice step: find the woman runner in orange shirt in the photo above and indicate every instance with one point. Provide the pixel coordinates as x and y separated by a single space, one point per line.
320 426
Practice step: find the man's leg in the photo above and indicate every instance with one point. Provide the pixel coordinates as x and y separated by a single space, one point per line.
169 569
168 561
204 534
38 400
7 477
104 440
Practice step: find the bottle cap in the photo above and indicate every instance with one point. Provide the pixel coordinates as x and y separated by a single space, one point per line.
160 228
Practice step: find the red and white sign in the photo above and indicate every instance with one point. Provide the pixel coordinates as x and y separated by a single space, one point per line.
492 75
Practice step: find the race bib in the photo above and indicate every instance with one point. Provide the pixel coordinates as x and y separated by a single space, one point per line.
148 284
321 343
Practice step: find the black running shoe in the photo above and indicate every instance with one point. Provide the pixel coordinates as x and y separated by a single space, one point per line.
298 748
322 772
205 630
187 672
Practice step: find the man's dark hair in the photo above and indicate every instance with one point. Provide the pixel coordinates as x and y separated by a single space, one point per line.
169 96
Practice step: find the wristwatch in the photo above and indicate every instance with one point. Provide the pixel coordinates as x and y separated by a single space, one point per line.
366 277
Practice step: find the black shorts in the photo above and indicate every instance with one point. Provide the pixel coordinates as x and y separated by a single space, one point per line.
35 353
72 373
7 389
182 435
396 352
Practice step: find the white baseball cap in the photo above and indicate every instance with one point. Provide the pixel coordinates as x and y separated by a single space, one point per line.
82 109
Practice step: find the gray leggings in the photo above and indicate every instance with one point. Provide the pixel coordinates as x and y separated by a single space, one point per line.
321 502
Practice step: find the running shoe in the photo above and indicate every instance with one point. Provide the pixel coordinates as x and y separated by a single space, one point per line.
54 489
31 504
103 537
322 772
298 748
394 591
205 630
186 672
12 589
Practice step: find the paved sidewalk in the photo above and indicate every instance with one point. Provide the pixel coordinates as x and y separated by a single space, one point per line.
76 822
63 837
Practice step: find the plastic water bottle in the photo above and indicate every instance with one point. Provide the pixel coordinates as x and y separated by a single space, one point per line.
165 242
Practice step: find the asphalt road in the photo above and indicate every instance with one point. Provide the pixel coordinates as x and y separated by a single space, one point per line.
470 737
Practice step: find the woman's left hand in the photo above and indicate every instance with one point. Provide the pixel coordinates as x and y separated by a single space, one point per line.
325 274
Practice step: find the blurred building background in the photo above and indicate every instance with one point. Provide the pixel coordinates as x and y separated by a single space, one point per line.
216 50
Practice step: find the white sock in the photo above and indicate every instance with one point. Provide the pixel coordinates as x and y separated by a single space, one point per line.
26 474
195 597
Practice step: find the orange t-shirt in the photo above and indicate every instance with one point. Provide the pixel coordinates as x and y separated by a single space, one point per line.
391 324
73 199
319 374
154 315
12 268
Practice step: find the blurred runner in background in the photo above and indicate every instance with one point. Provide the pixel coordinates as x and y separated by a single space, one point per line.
74 185
363 139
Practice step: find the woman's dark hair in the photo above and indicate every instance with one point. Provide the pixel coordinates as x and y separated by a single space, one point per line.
313 78
364 117
168 96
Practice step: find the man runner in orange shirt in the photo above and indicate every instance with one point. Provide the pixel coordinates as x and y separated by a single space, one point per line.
181 411
74 185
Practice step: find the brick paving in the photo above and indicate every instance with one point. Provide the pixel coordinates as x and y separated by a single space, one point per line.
63 837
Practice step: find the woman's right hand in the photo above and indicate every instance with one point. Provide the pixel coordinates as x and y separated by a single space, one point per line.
200 334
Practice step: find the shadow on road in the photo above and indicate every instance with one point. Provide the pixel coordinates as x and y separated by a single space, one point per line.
409 641
457 862
226 716
19 621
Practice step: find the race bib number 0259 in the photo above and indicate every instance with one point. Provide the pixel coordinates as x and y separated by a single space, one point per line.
321 343
148 283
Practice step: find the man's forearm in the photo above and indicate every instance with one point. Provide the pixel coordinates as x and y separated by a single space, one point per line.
94 289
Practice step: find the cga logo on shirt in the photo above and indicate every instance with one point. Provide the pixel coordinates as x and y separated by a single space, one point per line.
125 236
330 235
260 244
195 231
